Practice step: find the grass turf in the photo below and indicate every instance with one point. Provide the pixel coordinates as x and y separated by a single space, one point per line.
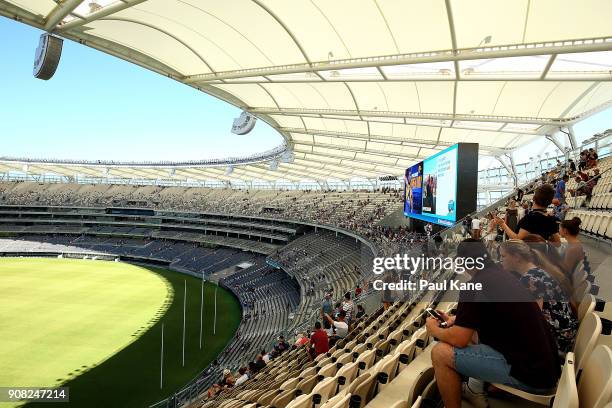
95 327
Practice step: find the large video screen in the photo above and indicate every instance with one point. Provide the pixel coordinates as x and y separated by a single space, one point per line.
442 188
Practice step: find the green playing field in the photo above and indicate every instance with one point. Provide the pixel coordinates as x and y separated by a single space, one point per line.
95 326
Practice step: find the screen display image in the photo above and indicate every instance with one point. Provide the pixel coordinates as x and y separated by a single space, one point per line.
413 181
442 188
440 185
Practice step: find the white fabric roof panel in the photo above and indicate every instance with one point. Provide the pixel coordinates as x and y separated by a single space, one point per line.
359 85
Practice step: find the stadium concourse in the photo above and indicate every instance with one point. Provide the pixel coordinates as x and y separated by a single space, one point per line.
360 92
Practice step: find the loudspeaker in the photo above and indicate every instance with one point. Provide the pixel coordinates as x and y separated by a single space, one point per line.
244 123
47 56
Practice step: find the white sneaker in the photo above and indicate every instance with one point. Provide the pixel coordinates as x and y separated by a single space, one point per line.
476 399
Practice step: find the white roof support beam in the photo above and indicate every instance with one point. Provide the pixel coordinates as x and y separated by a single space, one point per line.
412 115
103 12
59 12
384 138
510 50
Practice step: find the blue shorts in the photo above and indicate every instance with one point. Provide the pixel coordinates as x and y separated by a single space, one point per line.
487 364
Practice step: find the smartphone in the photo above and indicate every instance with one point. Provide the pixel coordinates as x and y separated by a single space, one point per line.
433 313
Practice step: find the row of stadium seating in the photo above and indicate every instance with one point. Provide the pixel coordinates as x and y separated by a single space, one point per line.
358 211
385 362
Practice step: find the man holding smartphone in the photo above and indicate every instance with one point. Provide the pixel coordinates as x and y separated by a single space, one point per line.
515 346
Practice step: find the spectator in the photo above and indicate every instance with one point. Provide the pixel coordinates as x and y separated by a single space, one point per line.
358 291
228 379
511 218
548 259
580 187
281 346
259 363
476 228
573 252
519 194
326 305
572 166
522 210
265 356
243 376
536 221
348 306
515 347
360 312
300 341
516 256
340 327
560 189
328 328
559 209
319 341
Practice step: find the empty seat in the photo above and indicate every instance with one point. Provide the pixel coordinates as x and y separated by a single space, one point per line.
595 384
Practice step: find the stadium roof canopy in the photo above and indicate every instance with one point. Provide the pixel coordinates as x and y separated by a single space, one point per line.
357 88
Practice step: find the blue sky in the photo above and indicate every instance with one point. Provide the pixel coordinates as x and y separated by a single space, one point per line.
100 107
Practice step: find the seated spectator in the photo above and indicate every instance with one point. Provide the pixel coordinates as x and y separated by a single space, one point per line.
319 341
559 209
340 327
536 221
228 379
516 256
580 187
281 346
259 363
265 356
516 346
360 312
300 341
328 328
243 376
547 258
572 252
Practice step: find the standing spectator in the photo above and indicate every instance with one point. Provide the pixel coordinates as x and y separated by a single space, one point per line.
536 221
327 304
560 189
348 306
319 341
511 217
519 194
467 225
358 291
572 166
476 228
